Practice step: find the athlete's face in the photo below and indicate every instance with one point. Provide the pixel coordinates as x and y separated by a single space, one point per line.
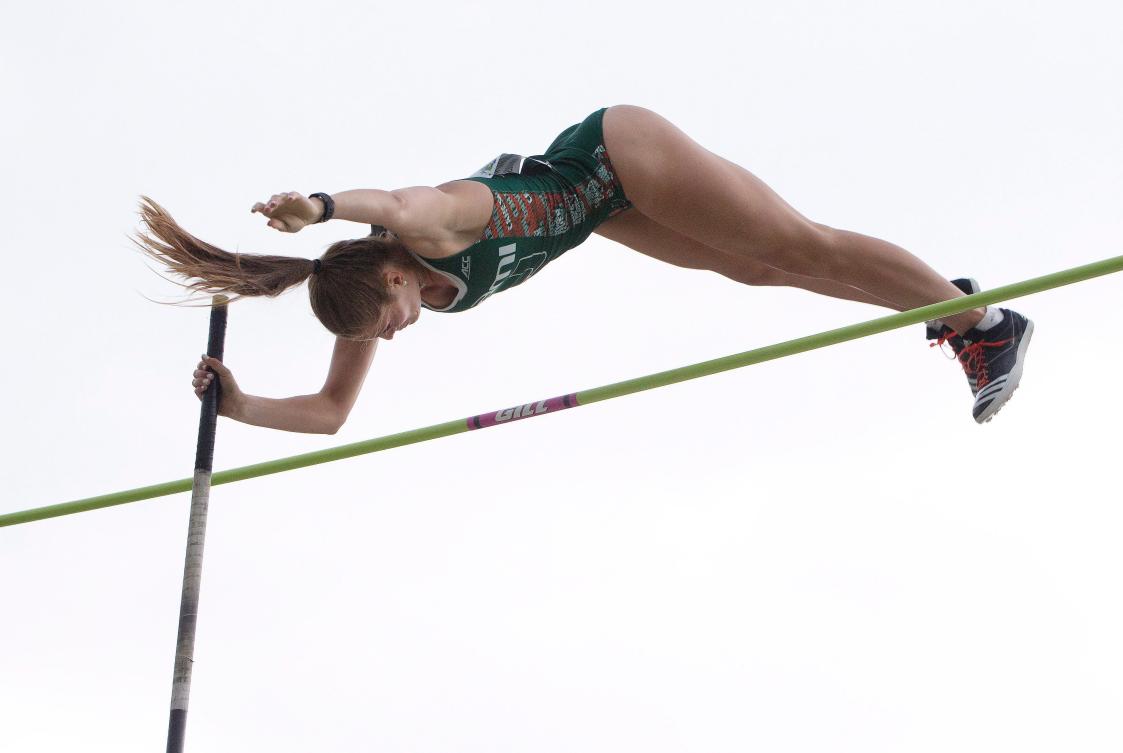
404 306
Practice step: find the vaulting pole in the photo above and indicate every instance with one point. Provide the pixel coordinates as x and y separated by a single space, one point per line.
196 533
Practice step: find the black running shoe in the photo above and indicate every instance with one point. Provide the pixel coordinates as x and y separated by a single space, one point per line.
949 336
993 361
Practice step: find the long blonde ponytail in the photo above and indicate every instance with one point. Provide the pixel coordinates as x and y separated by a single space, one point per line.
208 268
347 293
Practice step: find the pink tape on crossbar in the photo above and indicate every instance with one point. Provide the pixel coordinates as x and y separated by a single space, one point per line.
519 412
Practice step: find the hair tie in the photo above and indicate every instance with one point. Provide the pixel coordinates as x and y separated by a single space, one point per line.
317 265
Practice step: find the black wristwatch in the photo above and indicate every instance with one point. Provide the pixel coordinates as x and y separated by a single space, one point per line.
329 205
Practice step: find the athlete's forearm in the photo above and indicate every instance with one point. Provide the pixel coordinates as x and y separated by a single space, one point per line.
370 206
311 414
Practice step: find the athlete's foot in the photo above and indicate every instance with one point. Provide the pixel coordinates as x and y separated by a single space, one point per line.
996 356
992 358
991 354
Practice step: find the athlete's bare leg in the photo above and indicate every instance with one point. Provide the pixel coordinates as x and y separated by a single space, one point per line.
679 184
641 233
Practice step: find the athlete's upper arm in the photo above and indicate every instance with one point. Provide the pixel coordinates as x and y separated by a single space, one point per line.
350 362
429 212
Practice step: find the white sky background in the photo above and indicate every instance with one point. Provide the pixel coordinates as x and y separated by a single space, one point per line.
819 553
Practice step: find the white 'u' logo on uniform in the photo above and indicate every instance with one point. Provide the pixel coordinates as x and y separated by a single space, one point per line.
502 272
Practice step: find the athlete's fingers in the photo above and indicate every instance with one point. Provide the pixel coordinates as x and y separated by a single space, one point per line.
201 378
216 366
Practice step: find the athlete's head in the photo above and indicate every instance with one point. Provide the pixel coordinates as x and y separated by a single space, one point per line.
360 289
366 288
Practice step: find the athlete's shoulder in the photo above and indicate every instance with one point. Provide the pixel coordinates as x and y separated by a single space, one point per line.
441 221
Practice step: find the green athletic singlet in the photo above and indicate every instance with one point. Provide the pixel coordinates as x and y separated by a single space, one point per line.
544 206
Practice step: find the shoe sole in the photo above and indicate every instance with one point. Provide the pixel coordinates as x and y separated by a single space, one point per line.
1012 381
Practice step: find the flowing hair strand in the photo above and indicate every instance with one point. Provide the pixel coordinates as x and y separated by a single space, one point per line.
209 269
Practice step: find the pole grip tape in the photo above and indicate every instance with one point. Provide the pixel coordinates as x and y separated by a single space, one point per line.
208 415
177 730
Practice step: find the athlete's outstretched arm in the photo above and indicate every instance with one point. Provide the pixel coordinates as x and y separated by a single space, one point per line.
322 413
370 206
419 211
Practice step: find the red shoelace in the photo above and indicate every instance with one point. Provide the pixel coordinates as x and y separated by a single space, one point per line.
972 358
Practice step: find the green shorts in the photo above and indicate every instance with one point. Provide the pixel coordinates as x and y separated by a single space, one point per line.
579 153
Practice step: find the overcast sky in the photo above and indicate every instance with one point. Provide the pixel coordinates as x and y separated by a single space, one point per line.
822 553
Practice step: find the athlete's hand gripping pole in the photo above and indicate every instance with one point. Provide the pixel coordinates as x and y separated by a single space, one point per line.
196 533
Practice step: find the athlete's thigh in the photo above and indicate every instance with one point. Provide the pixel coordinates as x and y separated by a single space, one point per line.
676 182
640 233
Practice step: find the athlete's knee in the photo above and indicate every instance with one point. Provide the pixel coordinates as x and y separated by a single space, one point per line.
752 272
806 249
829 242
